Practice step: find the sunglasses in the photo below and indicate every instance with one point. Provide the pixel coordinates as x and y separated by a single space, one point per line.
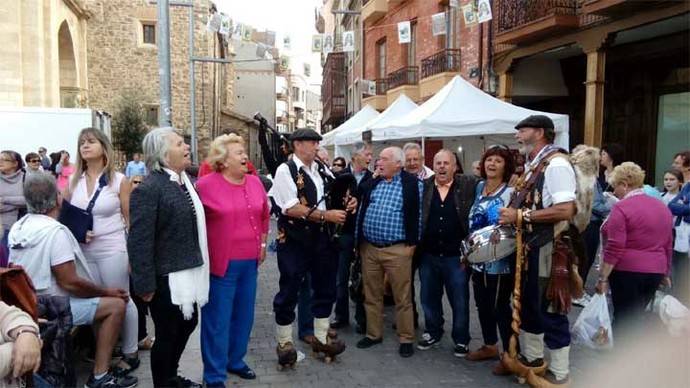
136 182
338 165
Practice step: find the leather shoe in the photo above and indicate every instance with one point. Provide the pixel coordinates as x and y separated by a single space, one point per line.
367 342
406 350
183 382
245 373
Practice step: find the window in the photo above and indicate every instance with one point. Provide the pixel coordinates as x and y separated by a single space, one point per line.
673 130
151 114
149 33
412 46
295 93
381 59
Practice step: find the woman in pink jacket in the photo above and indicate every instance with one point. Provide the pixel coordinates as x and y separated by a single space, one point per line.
237 217
638 241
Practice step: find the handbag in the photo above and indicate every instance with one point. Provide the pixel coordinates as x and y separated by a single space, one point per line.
80 221
16 289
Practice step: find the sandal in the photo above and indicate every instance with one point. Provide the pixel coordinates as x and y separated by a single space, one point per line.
146 343
132 363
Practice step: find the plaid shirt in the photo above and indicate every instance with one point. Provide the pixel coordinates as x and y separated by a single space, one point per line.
383 221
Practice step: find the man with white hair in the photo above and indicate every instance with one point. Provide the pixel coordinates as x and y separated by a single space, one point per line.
388 230
414 161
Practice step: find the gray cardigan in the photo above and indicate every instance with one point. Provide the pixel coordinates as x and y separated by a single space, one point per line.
163 232
11 197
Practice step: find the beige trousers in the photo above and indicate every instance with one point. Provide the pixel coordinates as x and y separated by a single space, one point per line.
396 263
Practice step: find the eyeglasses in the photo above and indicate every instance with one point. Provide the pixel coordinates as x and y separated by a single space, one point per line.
34 161
136 182
338 165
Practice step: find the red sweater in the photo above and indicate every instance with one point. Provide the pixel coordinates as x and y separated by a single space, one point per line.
638 235
236 217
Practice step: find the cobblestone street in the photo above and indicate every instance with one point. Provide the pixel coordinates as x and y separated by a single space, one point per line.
379 366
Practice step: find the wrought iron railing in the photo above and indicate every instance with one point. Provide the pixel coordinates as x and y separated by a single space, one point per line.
512 14
381 86
441 62
406 76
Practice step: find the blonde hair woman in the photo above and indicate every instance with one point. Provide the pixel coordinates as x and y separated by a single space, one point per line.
106 249
637 245
237 219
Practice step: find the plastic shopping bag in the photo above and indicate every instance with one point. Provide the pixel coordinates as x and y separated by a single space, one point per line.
593 327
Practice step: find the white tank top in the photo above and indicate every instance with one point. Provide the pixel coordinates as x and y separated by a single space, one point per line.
108 223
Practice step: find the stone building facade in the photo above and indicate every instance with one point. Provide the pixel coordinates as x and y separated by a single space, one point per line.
121 60
43 53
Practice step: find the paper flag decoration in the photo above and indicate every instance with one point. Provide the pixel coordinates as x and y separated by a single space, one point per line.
469 15
328 43
483 11
213 23
286 42
404 32
316 43
349 41
438 24
225 25
454 3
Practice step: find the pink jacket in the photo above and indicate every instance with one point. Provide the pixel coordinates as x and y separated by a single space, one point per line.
638 235
236 217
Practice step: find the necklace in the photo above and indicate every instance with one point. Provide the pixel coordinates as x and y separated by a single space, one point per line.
491 192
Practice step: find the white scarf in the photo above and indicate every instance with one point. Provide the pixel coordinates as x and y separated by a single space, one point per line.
190 285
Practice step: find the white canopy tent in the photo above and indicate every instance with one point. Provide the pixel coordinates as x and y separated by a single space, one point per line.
360 118
459 109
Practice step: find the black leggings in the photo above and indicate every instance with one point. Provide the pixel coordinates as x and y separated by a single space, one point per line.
631 292
492 297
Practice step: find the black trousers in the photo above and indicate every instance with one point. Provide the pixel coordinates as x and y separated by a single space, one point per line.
142 310
631 292
492 298
172 333
295 260
591 238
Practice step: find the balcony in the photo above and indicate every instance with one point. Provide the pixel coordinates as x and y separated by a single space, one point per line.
613 8
403 81
527 21
333 89
373 10
438 70
378 101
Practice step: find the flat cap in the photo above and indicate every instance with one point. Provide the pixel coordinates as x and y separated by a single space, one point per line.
536 121
305 134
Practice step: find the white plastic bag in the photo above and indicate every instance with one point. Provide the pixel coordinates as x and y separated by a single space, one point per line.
593 327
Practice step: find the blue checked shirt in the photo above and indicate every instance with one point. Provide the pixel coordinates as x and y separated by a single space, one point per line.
383 221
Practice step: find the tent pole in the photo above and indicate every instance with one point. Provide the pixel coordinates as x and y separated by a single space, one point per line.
423 145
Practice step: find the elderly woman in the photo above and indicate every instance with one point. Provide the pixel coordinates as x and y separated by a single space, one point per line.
95 180
11 195
168 251
33 163
237 219
637 247
20 346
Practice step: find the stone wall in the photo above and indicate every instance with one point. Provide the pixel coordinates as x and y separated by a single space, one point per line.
118 60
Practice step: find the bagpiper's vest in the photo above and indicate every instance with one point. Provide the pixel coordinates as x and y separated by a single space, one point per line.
304 231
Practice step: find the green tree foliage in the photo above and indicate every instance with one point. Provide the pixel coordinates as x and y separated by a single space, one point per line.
128 125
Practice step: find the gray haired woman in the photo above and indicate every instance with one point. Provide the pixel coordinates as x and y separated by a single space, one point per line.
168 251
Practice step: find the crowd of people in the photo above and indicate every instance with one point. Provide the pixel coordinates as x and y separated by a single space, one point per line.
158 241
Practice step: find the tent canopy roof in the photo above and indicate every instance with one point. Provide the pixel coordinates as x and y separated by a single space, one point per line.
401 106
356 121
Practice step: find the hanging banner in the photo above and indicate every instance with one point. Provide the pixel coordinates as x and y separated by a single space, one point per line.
327 43
438 24
284 61
454 3
316 43
237 30
348 41
469 15
286 42
404 32
369 87
247 32
225 25
307 70
213 23
483 11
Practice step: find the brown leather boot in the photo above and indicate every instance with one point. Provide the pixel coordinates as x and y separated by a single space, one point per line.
329 350
486 352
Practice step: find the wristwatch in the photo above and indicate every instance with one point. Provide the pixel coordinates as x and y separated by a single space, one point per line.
323 217
23 330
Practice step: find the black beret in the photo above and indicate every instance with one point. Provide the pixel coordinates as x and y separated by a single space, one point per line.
536 121
305 134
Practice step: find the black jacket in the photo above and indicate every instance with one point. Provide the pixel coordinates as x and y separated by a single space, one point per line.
410 207
349 227
463 195
163 232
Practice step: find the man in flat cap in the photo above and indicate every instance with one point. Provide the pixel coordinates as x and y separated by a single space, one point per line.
305 245
544 201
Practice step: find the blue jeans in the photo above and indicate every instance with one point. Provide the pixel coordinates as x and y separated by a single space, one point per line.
435 272
227 319
305 321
